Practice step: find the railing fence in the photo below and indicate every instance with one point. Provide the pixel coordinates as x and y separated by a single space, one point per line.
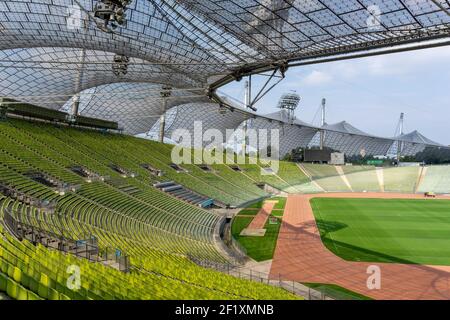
246 273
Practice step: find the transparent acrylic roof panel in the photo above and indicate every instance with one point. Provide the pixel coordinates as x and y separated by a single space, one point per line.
50 76
184 42
210 37
159 31
135 106
302 28
353 144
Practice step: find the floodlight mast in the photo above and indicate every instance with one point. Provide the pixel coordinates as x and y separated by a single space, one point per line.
112 12
289 102
120 65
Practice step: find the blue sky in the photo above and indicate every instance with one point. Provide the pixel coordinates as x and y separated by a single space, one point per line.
370 93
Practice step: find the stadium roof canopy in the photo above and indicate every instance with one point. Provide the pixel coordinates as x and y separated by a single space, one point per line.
344 127
418 138
216 41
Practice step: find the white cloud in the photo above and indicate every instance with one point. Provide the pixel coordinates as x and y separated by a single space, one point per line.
405 63
317 78
399 64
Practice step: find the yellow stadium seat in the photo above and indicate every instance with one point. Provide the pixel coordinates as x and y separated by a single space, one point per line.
3 282
12 289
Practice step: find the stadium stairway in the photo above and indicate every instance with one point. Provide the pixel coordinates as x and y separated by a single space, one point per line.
314 185
341 173
380 177
421 178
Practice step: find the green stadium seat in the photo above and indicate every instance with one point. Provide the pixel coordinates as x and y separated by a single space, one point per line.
12 288
62 296
52 294
26 280
34 285
43 289
23 293
3 282
4 266
155 229
33 296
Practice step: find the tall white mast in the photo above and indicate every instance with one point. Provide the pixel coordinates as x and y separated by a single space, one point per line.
322 123
247 105
400 143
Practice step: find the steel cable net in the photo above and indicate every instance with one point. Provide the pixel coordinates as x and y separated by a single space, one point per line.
135 106
300 29
49 76
204 38
208 116
51 50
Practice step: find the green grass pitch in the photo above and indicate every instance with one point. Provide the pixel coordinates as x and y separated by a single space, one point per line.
258 248
385 230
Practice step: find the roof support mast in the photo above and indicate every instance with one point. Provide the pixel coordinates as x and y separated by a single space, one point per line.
399 142
322 123
165 93
247 103
79 77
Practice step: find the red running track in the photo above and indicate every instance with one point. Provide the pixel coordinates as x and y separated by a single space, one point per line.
301 256
259 221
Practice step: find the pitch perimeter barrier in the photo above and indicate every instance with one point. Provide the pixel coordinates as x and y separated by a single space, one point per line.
294 287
